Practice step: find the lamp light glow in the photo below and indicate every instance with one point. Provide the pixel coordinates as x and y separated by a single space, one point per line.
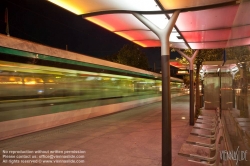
125 36
69 5
140 43
87 6
235 68
160 20
100 23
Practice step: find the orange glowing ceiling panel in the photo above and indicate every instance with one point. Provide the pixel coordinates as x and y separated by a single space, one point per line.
118 22
180 4
88 6
219 27
74 6
101 23
127 26
157 43
138 35
148 43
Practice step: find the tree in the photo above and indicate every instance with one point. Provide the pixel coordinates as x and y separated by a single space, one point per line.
186 79
130 55
203 55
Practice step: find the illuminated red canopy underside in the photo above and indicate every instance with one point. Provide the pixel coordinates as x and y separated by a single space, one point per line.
177 64
216 28
220 27
129 27
225 25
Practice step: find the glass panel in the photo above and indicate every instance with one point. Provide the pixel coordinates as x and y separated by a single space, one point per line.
236 114
235 106
231 83
211 92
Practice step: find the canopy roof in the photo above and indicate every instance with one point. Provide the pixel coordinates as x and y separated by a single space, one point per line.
216 66
200 25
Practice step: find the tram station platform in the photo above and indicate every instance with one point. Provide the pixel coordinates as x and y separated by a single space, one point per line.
131 137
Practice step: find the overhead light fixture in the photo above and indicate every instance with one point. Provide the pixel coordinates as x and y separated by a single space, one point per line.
201 71
218 69
234 69
175 37
179 37
159 20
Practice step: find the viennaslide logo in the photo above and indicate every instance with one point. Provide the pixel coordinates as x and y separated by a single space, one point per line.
233 155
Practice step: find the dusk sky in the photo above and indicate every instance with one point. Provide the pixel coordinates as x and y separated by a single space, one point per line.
42 22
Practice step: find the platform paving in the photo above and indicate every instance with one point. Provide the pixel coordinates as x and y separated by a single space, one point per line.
127 138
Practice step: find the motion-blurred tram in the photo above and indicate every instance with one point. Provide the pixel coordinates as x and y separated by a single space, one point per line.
42 87
26 81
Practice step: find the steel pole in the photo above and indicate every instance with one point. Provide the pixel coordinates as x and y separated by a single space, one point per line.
191 96
166 93
166 112
164 34
233 87
220 93
191 88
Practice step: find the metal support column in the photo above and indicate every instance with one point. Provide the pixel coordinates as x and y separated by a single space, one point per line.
191 91
191 97
163 35
220 93
234 86
166 112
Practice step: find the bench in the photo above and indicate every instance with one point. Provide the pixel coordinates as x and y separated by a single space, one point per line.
204 141
203 152
204 132
206 124
208 120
